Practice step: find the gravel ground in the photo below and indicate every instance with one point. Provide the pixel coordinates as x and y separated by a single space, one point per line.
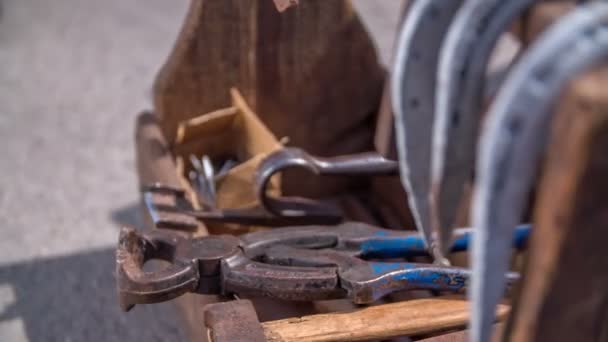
73 75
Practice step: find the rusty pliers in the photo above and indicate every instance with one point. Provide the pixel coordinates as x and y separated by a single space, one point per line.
294 263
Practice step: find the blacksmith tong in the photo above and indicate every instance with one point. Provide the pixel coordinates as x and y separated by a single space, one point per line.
293 263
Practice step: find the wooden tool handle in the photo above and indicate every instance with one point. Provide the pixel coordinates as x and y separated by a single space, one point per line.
414 317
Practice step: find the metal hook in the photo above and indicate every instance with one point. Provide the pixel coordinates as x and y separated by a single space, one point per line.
369 163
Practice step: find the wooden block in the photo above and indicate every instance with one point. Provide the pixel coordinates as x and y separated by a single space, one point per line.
563 294
415 317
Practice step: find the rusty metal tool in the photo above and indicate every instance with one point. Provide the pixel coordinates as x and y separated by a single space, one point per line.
294 263
514 138
464 58
412 93
169 208
360 164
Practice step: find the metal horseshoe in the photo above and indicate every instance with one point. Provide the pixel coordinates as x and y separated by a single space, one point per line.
412 93
516 131
460 93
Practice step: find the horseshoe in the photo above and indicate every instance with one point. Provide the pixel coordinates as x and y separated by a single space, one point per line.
461 78
412 92
513 140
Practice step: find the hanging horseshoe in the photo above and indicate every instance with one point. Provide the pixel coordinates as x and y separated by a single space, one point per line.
412 92
464 58
515 136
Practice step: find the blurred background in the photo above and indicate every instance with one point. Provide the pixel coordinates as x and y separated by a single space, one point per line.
73 75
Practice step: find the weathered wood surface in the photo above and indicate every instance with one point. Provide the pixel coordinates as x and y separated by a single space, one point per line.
311 73
563 295
414 317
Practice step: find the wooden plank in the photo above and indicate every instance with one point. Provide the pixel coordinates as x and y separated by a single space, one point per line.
414 317
563 295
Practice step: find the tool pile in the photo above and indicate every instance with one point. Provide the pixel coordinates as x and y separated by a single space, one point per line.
438 91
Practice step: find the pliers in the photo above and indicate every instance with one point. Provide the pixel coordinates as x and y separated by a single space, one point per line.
292 263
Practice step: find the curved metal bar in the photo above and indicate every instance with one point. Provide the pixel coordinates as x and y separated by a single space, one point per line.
244 276
460 93
412 93
369 163
516 133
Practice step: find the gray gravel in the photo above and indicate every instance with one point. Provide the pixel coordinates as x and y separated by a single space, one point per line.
74 73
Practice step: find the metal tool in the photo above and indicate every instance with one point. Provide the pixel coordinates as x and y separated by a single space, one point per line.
203 180
413 95
294 263
511 145
361 164
169 208
464 58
